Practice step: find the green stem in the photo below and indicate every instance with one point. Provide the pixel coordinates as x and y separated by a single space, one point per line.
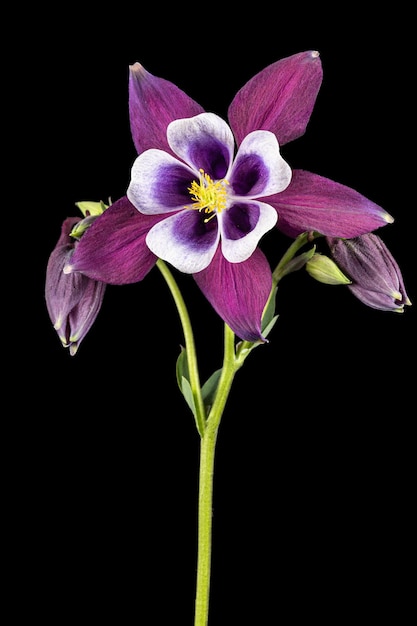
200 415
285 266
208 430
205 500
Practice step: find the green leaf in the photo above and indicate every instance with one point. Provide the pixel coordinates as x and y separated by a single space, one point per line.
267 329
182 368
269 309
209 388
188 395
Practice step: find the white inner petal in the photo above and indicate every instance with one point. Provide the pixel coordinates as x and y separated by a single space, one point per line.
237 250
185 255
265 145
183 134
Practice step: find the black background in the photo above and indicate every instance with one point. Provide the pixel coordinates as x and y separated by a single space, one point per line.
315 465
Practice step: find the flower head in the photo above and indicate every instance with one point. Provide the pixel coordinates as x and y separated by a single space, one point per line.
203 206
208 198
376 277
73 300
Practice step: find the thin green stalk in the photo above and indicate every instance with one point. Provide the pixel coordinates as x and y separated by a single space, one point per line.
205 500
189 345
208 430
286 264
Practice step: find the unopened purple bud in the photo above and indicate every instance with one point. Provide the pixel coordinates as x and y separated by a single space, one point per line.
73 300
376 277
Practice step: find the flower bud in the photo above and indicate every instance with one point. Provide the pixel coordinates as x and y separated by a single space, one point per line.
376 277
73 300
324 270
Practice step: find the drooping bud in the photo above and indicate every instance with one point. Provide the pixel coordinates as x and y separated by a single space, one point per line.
73 300
324 270
376 277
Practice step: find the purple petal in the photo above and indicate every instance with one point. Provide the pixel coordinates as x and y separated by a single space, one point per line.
238 292
280 98
186 240
82 317
312 202
154 103
377 299
60 294
204 142
113 249
242 226
259 169
159 183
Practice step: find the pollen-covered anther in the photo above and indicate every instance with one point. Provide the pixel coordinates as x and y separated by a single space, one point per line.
208 195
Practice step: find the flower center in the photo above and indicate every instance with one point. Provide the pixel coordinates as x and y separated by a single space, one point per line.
207 195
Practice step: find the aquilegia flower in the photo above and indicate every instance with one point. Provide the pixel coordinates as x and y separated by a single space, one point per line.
194 203
376 278
208 197
203 192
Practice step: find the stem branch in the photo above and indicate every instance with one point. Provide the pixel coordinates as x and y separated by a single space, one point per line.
189 345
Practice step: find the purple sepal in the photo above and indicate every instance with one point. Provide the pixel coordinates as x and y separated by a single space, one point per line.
312 202
113 249
280 98
230 288
154 103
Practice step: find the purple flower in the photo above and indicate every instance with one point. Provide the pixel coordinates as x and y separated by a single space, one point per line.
208 198
73 300
195 203
376 277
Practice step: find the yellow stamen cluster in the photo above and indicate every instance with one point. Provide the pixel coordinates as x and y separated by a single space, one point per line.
207 195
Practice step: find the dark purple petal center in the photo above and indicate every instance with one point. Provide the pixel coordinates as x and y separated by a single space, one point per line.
172 191
193 229
249 175
211 156
241 219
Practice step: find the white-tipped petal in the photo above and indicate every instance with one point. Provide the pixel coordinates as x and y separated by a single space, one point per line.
184 241
204 141
259 218
159 183
259 169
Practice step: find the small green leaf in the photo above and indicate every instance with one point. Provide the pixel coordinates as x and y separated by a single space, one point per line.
209 388
269 309
182 368
188 395
267 329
